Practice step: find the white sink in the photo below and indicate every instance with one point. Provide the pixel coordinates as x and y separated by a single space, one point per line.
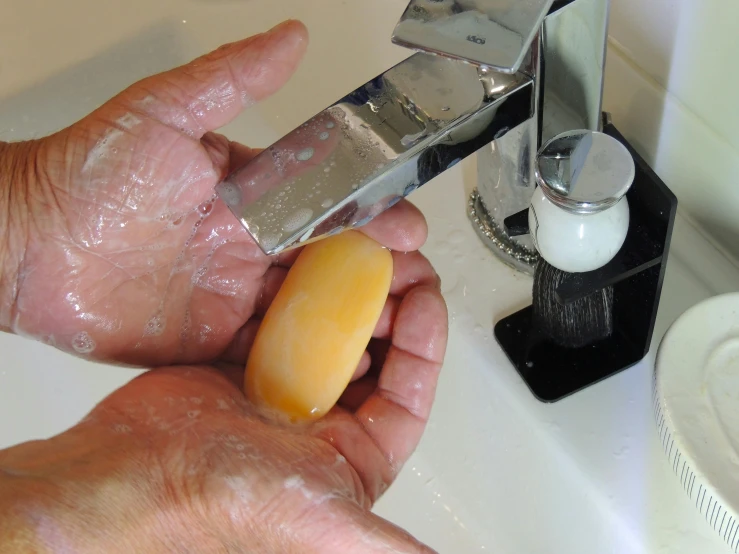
497 470
500 471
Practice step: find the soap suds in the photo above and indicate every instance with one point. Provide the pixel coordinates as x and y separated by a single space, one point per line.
128 121
121 428
306 154
155 326
83 343
221 404
297 219
102 149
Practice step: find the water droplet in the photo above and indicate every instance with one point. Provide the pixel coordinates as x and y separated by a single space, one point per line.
305 155
327 203
230 194
155 326
297 220
270 241
445 109
83 343
324 135
205 208
529 364
330 125
456 237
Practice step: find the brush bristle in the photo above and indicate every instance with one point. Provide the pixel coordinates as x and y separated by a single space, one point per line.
573 325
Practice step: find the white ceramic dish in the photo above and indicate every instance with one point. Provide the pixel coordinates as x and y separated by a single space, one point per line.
696 406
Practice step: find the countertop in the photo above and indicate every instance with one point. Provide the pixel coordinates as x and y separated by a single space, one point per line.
497 471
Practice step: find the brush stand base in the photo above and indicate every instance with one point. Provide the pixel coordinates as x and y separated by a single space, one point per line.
636 273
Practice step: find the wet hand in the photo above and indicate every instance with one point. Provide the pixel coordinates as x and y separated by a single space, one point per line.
178 461
116 248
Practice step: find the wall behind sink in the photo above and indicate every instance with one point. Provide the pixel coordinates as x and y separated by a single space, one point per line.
671 84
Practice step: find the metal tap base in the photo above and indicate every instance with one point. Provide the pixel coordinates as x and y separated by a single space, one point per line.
497 240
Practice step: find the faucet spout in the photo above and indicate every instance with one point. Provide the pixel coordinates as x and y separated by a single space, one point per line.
373 147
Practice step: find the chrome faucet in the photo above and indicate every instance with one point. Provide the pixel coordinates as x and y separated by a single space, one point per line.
494 77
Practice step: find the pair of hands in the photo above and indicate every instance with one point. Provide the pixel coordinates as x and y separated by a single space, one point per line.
114 249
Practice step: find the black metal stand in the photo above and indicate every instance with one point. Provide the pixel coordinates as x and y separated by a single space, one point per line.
636 274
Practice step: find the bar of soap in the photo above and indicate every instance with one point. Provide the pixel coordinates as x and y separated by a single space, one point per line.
318 326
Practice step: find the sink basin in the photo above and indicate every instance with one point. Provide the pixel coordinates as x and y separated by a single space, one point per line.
497 471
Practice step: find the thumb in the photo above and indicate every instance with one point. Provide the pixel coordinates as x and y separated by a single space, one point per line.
212 90
375 535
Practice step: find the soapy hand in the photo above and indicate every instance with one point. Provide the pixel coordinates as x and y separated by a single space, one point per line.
177 461
112 247
117 249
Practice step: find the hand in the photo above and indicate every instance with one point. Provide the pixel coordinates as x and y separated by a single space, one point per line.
177 461
116 249
119 253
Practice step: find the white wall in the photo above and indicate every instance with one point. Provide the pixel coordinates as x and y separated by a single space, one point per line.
671 83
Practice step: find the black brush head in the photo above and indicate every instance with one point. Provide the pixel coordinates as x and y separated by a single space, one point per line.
575 324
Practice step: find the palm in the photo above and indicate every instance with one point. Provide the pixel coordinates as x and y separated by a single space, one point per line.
294 478
145 263
129 257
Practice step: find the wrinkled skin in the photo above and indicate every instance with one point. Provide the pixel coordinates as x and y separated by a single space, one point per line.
115 250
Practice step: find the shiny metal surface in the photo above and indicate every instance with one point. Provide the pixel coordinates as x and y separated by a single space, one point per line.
358 157
584 171
496 33
566 62
403 128
573 54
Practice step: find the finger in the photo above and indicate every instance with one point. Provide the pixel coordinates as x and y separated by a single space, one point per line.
287 259
362 367
240 154
402 227
378 349
411 270
217 147
384 327
233 372
395 415
357 394
237 352
226 154
273 279
212 90
371 534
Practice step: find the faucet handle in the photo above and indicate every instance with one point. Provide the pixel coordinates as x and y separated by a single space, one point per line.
496 33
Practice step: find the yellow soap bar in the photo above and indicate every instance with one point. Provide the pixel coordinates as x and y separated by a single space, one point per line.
318 326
